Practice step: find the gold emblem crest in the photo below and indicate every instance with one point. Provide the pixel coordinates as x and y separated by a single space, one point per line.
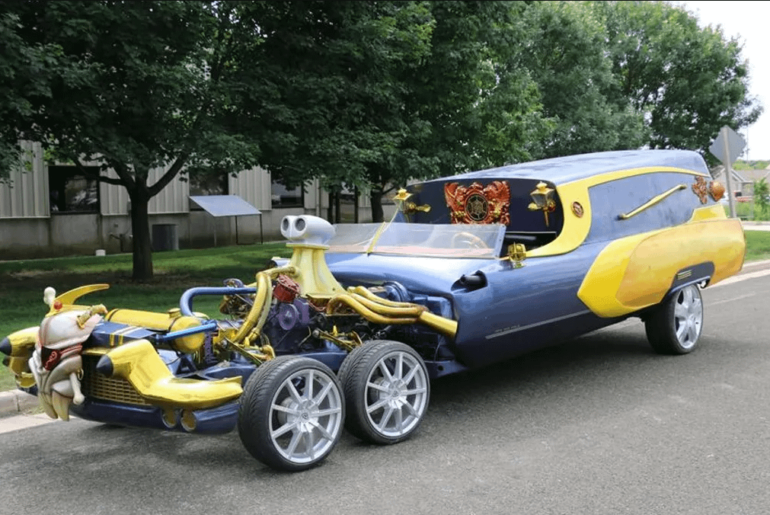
700 188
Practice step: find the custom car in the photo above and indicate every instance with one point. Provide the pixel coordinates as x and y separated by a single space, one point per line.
351 330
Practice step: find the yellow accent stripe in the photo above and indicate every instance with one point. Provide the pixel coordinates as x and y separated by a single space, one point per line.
654 200
575 230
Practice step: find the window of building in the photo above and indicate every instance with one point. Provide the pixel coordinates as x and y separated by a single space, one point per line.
70 191
285 197
215 184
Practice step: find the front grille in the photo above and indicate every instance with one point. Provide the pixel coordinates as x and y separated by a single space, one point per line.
98 386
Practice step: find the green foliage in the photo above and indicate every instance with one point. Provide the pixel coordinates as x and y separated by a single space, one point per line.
757 245
135 86
750 165
567 59
761 200
687 82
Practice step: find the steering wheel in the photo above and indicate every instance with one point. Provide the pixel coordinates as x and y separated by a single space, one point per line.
465 239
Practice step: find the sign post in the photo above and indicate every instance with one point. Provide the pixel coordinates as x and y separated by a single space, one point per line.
727 147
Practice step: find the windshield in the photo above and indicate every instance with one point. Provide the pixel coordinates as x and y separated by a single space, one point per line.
409 239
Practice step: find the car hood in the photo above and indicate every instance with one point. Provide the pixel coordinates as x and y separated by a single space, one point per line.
418 274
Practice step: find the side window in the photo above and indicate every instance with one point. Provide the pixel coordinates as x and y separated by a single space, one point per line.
284 197
70 191
611 199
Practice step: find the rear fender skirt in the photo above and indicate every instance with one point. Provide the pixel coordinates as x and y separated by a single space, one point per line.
636 272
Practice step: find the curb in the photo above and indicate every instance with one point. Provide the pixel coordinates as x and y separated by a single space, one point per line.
16 401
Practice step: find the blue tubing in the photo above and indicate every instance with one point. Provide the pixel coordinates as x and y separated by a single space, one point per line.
185 302
186 332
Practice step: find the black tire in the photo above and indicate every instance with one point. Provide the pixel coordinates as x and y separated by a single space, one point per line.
675 326
380 409
311 421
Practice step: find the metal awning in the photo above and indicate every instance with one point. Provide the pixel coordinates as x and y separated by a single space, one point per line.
228 205
225 205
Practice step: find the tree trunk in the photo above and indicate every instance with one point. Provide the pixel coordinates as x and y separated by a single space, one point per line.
355 205
330 209
140 226
375 196
338 207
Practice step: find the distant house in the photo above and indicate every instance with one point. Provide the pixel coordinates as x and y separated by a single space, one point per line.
743 180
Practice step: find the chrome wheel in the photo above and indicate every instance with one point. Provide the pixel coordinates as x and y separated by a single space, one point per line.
397 394
305 416
688 316
291 413
386 391
674 326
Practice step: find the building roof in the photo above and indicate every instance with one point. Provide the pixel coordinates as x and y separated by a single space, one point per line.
742 176
755 175
561 170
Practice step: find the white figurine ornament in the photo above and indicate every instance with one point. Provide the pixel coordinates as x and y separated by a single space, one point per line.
56 362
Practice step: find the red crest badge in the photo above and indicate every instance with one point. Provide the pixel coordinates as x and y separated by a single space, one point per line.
477 204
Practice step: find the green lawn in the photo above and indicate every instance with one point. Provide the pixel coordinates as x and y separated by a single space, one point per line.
22 282
757 245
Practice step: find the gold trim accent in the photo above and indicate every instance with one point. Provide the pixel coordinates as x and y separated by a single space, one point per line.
654 200
258 314
69 298
383 311
517 253
411 207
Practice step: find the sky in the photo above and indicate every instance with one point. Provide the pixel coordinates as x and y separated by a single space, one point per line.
748 21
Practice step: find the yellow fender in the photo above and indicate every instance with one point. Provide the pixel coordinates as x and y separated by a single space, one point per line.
636 272
138 363
22 345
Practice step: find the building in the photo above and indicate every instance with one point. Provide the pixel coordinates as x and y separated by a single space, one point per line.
53 210
742 180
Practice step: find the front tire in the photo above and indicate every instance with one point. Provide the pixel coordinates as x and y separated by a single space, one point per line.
291 413
386 390
675 326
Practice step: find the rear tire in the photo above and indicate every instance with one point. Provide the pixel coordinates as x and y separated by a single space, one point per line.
675 326
291 413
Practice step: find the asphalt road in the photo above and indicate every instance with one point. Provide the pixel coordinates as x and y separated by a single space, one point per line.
599 425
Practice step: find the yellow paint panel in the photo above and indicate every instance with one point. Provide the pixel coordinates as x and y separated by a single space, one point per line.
140 365
22 346
575 230
636 272
313 275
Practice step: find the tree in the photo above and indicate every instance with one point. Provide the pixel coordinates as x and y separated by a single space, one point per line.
26 73
337 90
687 82
469 101
566 57
145 86
761 199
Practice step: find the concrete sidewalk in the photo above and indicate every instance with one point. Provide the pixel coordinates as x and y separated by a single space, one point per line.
756 226
14 402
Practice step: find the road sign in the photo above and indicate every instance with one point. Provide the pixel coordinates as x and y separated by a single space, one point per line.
727 147
731 151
